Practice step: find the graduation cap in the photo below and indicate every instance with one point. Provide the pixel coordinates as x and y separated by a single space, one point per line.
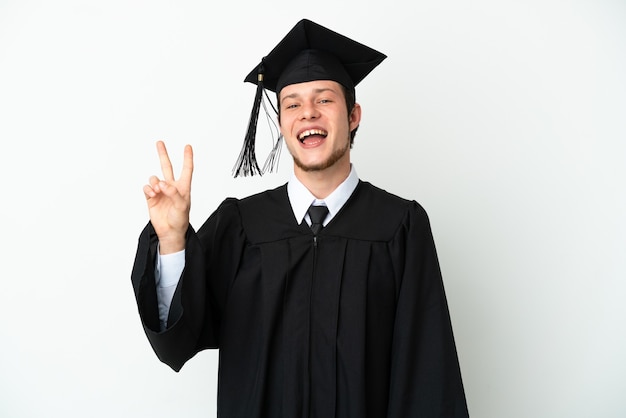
308 52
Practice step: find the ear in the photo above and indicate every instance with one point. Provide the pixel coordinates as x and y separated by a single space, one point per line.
355 117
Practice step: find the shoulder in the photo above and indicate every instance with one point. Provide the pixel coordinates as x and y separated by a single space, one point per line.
264 216
265 199
376 194
257 203
235 211
382 213
391 204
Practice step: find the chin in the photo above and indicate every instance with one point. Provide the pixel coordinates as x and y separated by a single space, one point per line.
313 166
310 168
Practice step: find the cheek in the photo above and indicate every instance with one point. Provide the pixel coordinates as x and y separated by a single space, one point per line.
284 124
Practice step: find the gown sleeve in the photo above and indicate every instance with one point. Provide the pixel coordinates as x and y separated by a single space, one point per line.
211 260
425 376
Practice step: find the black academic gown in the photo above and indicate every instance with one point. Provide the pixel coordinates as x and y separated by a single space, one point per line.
352 324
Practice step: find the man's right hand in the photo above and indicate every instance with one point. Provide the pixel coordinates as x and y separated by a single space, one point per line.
169 201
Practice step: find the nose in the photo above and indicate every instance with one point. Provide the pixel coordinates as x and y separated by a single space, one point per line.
309 111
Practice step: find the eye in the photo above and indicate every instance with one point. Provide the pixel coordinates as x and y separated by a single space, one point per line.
323 101
291 106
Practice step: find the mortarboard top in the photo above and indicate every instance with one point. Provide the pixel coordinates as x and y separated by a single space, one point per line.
312 52
308 52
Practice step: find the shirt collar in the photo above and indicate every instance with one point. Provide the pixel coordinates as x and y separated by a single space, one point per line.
301 198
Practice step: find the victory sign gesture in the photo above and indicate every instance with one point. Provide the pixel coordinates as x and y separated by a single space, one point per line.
169 201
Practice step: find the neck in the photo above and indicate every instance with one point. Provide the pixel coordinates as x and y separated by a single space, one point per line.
322 183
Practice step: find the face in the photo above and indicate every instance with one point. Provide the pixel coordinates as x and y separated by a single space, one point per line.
316 126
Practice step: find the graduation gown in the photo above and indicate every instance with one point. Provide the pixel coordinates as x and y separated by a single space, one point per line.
351 323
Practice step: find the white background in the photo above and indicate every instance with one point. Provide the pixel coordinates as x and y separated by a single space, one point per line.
506 120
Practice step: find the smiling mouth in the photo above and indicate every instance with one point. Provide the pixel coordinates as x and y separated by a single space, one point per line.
311 133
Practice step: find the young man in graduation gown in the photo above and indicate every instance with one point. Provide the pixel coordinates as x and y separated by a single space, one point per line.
337 311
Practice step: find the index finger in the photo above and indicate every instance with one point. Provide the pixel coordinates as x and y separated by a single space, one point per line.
166 165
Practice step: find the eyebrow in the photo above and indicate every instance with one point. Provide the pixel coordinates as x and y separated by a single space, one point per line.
315 91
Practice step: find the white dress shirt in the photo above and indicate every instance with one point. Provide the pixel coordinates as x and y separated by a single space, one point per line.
169 267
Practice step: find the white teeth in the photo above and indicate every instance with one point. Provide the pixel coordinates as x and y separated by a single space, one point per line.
311 132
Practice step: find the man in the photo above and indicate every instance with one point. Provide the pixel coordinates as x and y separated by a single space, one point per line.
337 310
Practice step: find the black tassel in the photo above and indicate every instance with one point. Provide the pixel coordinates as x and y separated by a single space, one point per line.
246 164
272 160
